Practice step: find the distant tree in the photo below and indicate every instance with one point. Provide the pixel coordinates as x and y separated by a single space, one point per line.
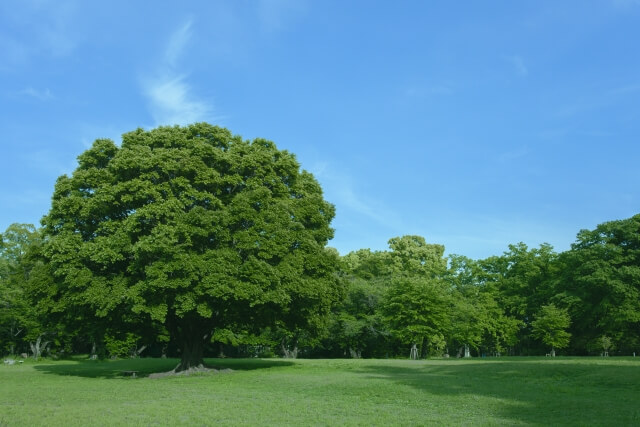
416 301
550 326
367 265
18 322
605 344
476 318
194 229
601 284
358 329
417 310
413 256
521 280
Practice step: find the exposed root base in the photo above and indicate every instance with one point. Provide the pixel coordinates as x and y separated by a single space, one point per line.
200 369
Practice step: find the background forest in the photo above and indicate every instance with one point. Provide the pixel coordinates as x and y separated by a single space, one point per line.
527 301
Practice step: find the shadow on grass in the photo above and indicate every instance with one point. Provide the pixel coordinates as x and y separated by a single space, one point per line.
528 391
146 366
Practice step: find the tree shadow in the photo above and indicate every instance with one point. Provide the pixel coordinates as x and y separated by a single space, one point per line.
122 369
527 391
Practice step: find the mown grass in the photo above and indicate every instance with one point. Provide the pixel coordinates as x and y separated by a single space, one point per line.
505 391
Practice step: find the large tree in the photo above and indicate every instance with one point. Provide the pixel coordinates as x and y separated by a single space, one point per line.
194 229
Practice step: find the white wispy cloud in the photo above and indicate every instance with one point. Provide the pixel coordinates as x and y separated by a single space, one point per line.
177 44
171 98
341 190
518 63
42 95
172 102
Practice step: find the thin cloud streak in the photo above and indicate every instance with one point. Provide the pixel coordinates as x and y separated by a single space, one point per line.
171 99
340 190
177 44
171 102
42 95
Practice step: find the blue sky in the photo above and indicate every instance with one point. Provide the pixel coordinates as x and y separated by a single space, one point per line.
473 124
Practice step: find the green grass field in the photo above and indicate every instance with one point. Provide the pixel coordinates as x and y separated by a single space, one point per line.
505 391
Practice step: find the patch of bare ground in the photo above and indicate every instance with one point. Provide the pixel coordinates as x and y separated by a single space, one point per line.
196 370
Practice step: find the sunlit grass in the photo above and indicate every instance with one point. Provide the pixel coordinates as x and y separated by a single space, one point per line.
508 391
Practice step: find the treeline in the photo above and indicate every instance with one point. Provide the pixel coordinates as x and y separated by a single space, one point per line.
409 300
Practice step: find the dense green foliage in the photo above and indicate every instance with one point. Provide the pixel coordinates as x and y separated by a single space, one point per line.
183 231
550 326
190 241
18 320
505 391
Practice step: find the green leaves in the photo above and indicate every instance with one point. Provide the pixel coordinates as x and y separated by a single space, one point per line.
550 326
19 320
191 226
601 282
416 307
412 255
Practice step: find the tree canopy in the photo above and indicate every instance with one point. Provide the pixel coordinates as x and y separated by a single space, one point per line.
550 326
17 318
600 283
193 229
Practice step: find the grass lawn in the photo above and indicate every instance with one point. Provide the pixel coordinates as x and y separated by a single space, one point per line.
507 391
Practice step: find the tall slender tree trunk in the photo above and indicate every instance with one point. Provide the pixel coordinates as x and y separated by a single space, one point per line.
413 355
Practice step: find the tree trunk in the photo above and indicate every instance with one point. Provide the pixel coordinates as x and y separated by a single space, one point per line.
38 347
414 352
192 353
290 354
467 353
